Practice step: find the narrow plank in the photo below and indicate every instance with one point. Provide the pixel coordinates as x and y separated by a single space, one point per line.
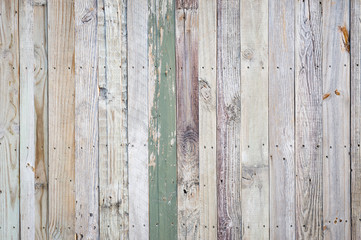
86 120
186 19
162 121
113 169
41 120
138 119
228 120
207 51
27 118
355 119
254 119
61 87
336 120
308 128
281 119
9 120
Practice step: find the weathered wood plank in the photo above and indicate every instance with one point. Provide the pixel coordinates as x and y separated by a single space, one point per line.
186 19
207 51
138 119
355 119
308 107
9 120
228 120
254 119
281 119
113 142
162 124
86 120
336 120
61 87
27 118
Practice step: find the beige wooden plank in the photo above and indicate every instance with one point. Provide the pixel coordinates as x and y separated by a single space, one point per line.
137 25
207 51
281 119
113 170
86 120
61 87
254 119
9 120
336 120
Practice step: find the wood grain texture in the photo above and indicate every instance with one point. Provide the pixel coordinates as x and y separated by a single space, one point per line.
355 119
336 121
86 120
137 25
186 19
254 119
9 120
281 119
61 87
207 52
27 118
228 120
162 121
308 107
113 142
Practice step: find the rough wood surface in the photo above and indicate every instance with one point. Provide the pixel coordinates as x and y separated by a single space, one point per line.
336 120
138 119
254 119
308 107
281 119
207 51
228 120
113 142
9 120
86 120
61 87
162 121
186 18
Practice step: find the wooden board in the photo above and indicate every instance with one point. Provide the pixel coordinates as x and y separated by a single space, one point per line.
281 119
207 52
355 119
113 142
254 119
137 19
186 19
9 120
308 107
61 87
228 120
162 121
86 120
336 120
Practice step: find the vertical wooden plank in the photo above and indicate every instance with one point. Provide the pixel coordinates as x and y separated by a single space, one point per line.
281 119
86 120
186 19
162 125
113 142
228 120
9 120
254 119
336 120
138 119
41 119
207 59
355 119
27 118
61 87
308 107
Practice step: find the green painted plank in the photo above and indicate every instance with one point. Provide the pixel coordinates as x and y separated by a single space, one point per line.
162 124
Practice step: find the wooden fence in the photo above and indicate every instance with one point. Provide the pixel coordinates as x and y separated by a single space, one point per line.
188 119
